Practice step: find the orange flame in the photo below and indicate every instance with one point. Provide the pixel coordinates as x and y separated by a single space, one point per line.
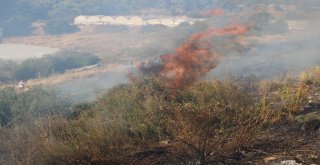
215 12
193 59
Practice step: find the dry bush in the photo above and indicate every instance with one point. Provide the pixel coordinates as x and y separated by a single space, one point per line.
311 76
212 120
293 98
87 141
20 145
143 123
121 128
283 98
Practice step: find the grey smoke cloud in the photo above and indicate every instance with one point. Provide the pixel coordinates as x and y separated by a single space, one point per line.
274 46
270 52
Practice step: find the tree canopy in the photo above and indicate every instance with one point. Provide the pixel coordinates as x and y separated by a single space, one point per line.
16 16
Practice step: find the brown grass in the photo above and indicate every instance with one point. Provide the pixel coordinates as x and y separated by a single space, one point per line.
71 75
143 123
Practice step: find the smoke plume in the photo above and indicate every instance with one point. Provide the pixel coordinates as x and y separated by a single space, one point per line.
192 60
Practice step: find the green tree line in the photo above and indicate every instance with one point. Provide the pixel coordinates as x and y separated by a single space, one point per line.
16 16
43 67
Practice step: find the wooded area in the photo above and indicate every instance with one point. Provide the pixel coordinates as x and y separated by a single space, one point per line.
16 16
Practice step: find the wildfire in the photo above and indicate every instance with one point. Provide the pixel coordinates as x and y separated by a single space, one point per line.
193 59
215 12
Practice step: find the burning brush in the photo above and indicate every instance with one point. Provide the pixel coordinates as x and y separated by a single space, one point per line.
191 61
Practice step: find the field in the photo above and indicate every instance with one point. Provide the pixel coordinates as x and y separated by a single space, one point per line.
108 45
20 52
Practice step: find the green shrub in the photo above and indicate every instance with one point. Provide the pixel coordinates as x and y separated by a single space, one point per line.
70 60
17 25
144 123
5 113
33 68
212 119
53 64
38 101
129 122
293 98
59 26
6 70
311 76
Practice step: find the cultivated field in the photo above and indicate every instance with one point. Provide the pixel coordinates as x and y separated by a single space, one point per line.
19 52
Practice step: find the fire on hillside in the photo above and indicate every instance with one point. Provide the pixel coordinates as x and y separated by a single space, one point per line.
190 61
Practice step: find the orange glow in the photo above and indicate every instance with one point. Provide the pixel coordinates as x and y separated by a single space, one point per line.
215 12
193 59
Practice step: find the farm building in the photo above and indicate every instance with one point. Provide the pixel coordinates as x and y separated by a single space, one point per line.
80 20
94 20
132 21
153 22
167 22
107 20
121 20
178 21
136 21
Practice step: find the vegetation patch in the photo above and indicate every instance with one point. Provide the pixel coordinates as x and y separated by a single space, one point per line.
144 122
46 66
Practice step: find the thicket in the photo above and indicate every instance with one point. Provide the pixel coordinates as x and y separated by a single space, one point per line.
43 67
145 123
6 70
17 105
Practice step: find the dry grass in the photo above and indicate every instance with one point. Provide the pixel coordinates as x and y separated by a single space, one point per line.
284 97
213 120
311 76
71 75
107 45
144 123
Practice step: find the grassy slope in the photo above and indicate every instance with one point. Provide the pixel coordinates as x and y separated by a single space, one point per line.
209 122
